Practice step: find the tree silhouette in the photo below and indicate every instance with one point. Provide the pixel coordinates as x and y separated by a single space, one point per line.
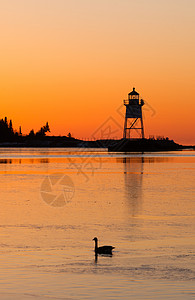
7 133
6 130
41 133
43 130
10 125
31 134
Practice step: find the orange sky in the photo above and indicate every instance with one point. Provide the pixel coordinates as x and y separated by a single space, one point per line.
72 63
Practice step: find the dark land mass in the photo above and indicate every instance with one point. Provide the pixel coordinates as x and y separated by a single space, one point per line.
13 138
121 145
147 145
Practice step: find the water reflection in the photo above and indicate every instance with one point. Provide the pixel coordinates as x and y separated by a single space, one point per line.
133 179
103 255
5 161
24 161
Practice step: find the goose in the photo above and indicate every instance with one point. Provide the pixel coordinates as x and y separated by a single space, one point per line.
103 249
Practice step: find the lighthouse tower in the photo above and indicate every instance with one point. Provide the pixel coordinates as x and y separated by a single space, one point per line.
133 116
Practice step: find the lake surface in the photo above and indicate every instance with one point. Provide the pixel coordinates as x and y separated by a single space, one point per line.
55 201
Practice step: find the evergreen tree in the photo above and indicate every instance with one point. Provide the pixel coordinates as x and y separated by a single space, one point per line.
10 125
43 130
31 133
6 131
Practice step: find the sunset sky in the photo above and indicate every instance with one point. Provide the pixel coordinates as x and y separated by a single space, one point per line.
72 62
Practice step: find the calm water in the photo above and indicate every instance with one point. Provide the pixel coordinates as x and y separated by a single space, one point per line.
54 201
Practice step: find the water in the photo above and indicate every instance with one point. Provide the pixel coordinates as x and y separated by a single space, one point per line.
55 201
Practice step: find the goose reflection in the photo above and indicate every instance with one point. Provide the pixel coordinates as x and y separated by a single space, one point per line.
102 255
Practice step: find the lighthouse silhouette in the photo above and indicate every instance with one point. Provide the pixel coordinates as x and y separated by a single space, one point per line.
133 116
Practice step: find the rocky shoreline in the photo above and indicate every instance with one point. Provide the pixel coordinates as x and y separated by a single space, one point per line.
121 145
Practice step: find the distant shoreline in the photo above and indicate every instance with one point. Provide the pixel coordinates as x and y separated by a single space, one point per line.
120 145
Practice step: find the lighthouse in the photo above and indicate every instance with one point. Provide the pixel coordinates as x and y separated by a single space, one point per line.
133 117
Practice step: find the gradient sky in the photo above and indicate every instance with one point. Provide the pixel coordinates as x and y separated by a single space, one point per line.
72 63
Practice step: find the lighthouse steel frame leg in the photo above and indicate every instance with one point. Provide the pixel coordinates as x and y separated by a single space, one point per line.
142 128
131 127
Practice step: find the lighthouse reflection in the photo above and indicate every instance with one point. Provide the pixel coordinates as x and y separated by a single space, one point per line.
133 180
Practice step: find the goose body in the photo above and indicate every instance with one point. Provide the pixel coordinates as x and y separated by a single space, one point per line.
103 249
